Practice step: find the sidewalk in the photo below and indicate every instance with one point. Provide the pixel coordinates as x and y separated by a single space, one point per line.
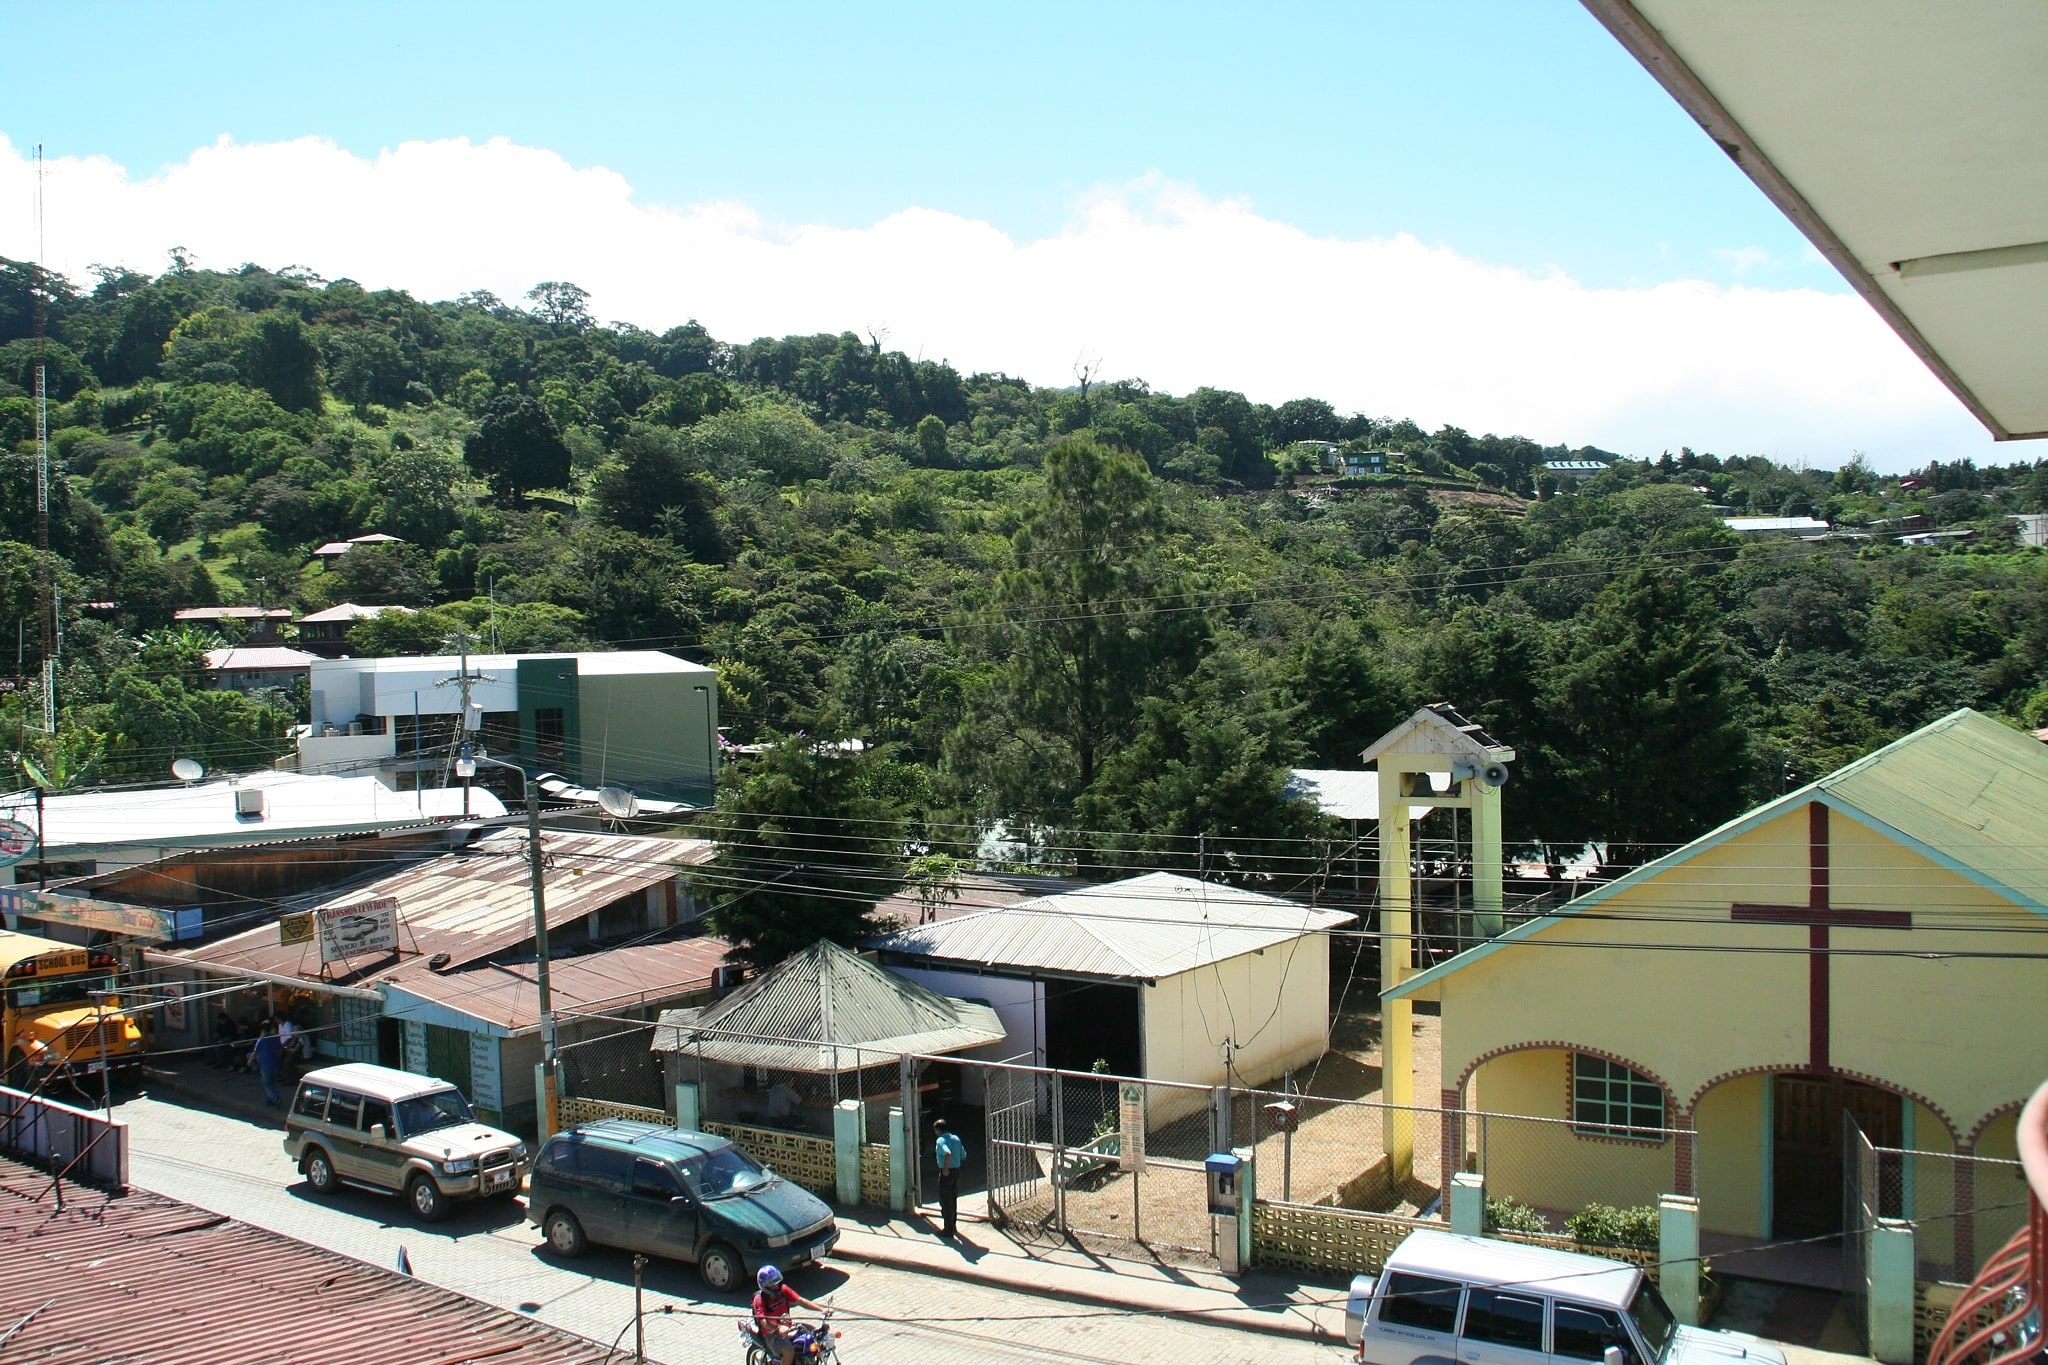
1263 1301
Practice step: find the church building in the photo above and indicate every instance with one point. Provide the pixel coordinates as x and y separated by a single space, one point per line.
1867 948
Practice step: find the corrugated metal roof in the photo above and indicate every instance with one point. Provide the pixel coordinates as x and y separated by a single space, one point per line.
971 892
1966 787
349 611
140 1279
828 999
1348 794
294 804
1148 927
259 657
505 994
472 904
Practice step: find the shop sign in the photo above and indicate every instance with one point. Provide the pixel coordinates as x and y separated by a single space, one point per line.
295 929
358 930
1130 1153
174 1008
17 841
130 921
486 1091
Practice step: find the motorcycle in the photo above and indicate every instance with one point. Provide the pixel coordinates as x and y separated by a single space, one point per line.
817 1345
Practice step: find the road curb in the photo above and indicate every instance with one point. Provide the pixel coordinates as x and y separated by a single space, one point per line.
1133 1297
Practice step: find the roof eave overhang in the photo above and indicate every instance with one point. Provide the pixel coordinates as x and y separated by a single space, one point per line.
1648 46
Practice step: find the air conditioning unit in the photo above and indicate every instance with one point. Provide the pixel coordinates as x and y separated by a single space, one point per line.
249 802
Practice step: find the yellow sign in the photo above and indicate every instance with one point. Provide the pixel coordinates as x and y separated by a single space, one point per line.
295 929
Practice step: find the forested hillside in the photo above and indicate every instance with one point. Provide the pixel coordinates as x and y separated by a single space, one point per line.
1103 616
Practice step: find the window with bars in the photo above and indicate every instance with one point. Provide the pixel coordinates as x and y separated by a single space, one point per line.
1609 1100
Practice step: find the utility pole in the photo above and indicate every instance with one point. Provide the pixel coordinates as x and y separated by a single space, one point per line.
540 948
46 612
458 640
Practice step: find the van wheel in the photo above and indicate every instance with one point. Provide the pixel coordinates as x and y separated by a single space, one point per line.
564 1233
320 1172
426 1199
721 1269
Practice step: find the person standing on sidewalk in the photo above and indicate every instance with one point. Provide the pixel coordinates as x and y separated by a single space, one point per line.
950 1154
267 1057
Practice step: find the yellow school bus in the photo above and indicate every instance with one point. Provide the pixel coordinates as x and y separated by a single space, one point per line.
49 1022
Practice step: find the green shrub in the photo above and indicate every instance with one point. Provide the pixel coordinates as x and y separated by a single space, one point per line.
1505 1215
1604 1225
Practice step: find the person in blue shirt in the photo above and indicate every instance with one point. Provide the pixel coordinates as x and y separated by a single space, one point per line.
267 1057
949 1154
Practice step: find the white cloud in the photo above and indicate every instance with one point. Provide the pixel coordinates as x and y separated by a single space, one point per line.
1158 280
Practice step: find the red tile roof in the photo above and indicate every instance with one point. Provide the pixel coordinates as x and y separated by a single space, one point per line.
139 1277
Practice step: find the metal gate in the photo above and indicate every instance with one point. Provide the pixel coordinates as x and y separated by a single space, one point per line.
1860 1204
1017 1194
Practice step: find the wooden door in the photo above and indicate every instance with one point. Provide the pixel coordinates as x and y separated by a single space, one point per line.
448 1057
1807 1147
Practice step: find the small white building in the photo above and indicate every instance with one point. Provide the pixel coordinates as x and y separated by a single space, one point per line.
97 831
1157 976
248 668
635 718
1776 526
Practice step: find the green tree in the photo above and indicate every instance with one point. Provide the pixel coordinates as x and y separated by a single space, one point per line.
518 448
655 487
809 838
1645 737
1088 617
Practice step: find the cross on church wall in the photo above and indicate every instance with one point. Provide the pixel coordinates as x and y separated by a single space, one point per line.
1819 915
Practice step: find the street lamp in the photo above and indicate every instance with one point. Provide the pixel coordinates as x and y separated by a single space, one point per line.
465 768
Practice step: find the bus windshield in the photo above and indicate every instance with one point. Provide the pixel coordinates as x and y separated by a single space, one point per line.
43 992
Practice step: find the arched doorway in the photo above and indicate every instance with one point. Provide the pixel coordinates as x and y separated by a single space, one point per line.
1810 1113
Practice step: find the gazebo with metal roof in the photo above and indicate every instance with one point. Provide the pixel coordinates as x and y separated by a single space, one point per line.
823 1025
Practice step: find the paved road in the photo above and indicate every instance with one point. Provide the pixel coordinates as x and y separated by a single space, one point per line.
236 1167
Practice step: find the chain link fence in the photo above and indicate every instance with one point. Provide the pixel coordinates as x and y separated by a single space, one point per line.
1117 1163
1962 1208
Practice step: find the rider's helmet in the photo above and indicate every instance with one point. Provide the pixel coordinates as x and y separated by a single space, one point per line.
769 1277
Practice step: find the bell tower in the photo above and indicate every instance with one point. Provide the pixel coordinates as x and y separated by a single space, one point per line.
1435 758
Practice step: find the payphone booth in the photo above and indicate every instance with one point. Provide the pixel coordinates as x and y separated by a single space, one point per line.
1223 1176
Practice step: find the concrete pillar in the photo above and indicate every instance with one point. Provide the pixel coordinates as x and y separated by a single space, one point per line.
1247 1197
899 1161
848 1128
1678 1247
1889 1260
1488 903
1397 1046
1468 1203
688 1115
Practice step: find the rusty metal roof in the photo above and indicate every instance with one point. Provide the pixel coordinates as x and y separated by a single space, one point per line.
504 995
471 904
141 1279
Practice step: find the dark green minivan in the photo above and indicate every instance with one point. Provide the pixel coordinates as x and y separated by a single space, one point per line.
676 1193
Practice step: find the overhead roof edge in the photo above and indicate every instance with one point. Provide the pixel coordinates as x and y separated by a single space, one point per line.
1647 45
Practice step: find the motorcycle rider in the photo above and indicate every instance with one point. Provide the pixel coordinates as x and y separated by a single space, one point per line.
772 1303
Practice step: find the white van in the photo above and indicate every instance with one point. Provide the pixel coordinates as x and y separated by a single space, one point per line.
1443 1299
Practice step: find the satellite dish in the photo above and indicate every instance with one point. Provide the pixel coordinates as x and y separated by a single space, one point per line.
618 803
188 770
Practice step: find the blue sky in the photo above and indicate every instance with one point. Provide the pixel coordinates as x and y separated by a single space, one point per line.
1519 133
1504 137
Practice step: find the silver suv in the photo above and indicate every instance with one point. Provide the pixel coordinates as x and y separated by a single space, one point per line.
397 1132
